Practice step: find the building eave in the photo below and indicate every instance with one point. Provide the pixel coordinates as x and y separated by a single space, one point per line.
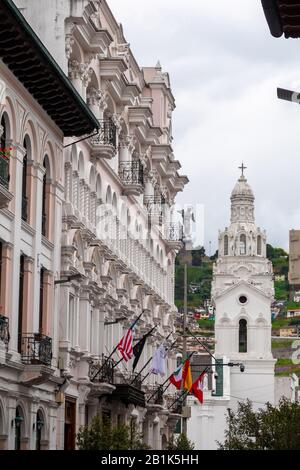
273 17
25 55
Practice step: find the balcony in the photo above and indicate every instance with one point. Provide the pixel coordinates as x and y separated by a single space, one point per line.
173 235
4 330
101 374
132 176
130 391
102 371
5 195
155 397
36 349
104 144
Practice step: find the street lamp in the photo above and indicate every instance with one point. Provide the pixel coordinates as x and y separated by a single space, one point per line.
288 95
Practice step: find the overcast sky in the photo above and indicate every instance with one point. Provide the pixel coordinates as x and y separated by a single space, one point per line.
225 68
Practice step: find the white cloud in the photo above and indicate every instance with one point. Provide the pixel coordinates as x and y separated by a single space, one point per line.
225 68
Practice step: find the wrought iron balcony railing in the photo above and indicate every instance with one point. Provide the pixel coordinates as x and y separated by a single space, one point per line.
4 172
4 329
131 173
36 349
135 380
154 205
102 371
24 214
174 232
107 133
156 395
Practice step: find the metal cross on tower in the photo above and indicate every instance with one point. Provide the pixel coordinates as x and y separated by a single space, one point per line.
242 168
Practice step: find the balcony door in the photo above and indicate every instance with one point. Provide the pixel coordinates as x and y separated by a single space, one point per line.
70 424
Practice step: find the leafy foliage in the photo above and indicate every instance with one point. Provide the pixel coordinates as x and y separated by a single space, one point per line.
100 435
181 443
272 428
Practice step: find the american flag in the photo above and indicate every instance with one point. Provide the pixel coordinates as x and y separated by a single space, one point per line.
125 346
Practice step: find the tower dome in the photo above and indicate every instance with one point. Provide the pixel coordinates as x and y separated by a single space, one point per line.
242 201
242 190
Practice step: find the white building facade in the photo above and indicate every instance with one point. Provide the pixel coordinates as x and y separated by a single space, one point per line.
242 292
116 241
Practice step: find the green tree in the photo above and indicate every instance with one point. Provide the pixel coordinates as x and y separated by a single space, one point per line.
271 428
101 435
181 443
197 256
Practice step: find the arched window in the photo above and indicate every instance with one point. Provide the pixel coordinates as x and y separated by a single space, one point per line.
226 250
45 196
243 336
39 429
24 213
259 245
4 160
243 244
18 427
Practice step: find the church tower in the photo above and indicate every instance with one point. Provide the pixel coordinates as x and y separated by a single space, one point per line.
242 292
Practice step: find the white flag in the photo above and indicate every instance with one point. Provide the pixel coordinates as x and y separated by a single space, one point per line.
159 361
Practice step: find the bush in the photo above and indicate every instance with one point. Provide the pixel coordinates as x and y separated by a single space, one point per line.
181 443
100 435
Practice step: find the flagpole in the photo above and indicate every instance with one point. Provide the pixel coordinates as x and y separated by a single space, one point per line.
131 328
202 344
104 364
147 363
163 384
182 396
184 352
135 322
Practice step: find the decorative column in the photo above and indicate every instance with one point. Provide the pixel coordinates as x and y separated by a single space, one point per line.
6 279
123 149
34 179
75 190
28 320
94 97
93 197
68 182
95 330
84 319
149 187
102 331
75 75
11 405
81 198
87 203
48 304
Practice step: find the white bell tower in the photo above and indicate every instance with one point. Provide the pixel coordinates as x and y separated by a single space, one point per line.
242 292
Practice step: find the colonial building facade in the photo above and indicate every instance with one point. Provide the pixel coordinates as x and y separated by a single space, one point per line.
87 231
